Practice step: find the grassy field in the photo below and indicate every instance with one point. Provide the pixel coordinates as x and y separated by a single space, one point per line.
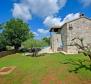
47 69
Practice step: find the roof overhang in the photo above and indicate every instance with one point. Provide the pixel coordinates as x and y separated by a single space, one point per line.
54 28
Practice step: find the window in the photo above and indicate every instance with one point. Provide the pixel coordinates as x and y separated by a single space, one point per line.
70 27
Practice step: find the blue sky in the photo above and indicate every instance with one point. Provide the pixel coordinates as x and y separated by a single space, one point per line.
43 14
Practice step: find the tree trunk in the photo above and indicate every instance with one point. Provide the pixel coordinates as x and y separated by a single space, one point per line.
17 46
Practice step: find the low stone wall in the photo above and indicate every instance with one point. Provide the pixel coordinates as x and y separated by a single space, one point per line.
46 50
4 53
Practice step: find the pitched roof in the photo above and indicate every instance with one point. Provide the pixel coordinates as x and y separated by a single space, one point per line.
56 27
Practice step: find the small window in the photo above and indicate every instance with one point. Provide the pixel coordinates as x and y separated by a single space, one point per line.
70 27
57 39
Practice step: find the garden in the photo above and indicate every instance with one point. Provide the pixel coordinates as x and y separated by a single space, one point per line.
16 38
46 69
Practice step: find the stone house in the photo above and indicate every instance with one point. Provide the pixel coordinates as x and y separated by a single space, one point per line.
61 36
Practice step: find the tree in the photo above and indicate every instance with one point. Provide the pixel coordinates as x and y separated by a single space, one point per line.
15 32
86 50
31 35
47 40
2 43
34 43
2 40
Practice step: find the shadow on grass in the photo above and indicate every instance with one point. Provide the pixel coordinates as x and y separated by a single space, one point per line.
78 64
6 53
38 55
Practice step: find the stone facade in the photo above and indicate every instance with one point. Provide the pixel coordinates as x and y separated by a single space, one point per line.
62 38
56 41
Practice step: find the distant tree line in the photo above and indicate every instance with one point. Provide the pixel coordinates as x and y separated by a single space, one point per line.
36 43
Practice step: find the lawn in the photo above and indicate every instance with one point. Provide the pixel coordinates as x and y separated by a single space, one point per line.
47 69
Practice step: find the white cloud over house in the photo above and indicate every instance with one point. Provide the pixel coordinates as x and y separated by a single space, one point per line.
43 31
52 21
71 16
42 8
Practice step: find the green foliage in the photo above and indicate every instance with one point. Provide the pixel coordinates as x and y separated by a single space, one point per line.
2 43
31 35
1 26
15 32
47 40
2 40
34 43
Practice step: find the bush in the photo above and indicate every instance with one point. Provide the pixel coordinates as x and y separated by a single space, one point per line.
24 50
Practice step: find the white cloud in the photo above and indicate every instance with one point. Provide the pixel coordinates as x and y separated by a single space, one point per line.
71 16
35 33
42 8
21 11
51 21
86 3
43 31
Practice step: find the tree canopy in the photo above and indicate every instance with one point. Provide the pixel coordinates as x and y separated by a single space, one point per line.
34 43
15 32
2 42
47 40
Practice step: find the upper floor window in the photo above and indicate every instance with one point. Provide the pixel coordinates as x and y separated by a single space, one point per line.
70 27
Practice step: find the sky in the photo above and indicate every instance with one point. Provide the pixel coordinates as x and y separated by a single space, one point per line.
41 15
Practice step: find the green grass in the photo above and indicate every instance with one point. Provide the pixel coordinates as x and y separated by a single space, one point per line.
33 70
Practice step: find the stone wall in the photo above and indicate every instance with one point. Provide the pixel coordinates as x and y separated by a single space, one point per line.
81 29
55 42
64 37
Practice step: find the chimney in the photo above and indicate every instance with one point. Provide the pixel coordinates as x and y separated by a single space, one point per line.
81 15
